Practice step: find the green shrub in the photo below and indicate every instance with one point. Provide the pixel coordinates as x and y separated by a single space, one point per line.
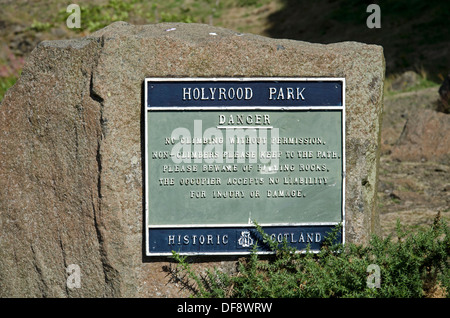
95 16
412 265
5 84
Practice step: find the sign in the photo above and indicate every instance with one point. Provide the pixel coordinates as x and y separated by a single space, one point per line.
223 153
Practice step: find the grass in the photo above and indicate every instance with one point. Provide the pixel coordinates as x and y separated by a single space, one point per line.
95 16
40 26
421 81
10 70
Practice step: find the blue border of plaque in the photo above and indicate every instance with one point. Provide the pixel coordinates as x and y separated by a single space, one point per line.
186 94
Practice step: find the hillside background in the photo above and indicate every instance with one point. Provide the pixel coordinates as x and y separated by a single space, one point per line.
414 182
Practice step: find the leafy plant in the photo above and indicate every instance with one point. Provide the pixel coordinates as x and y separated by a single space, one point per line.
412 265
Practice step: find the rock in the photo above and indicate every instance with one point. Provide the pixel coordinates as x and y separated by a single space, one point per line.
444 93
70 133
425 137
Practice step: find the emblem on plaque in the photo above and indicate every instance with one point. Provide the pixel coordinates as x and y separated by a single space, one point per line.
245 240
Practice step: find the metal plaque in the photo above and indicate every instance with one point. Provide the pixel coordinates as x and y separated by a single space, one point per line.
224 153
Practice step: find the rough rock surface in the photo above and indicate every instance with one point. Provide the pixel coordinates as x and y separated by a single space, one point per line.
71 166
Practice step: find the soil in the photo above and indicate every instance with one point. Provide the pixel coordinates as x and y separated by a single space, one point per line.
409 191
